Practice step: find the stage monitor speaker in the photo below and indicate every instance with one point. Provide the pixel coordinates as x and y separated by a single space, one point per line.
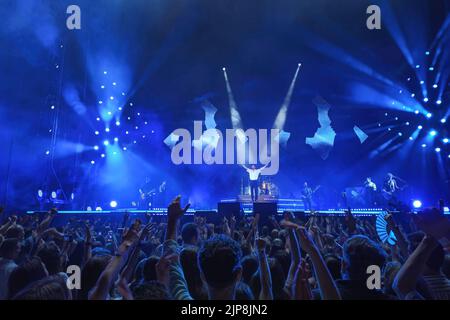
229 209
265 210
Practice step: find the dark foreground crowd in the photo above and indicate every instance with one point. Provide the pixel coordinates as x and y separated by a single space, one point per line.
240 258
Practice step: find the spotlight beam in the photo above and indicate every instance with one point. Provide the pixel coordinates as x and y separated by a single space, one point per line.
280 120
236 120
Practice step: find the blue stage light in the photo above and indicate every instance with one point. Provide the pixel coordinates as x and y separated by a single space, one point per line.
98 209
111 98
113 204
92 162
106 142
97 133
435 85
107 129
98 119
419 127
439 102
417 66
95 147
116 139
416 112
417 204
124 148
423 145
433 133
114 83
117 123
105 72
425 99
443 120
53 195
47 152
103 87
102 155
100 102
445 140
429 115
437 149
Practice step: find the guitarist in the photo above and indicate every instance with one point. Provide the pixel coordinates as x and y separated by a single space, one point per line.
146 192
307 194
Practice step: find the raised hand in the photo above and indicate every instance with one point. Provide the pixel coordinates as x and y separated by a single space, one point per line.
163 268
145 231
175 211
260 244
306 241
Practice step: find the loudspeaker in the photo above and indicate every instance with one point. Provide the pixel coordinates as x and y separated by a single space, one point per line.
265 210
229 209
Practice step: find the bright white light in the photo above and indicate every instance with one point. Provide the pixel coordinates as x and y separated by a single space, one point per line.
437 149
114 83
95 147
413 95
425 99
92 162
417 204
429 115
100 102
224 69
116 139
417 66
98 119
435 85
40 193
124 148
416 112
97 133
53 195
98 209
47 152
117 123
107 129
111 98
445 140
433 133
424 145
105 72
443 120
420 127
113 204
106 142
103 87
109 113
439 102
102 155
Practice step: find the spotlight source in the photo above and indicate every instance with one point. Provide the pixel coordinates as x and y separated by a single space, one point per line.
113 204
417 204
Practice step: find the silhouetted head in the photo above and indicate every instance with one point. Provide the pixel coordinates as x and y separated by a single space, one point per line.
219 260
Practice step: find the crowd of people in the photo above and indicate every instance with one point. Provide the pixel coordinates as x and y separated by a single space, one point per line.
312 257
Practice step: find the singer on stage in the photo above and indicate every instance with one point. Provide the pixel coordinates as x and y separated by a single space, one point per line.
253 175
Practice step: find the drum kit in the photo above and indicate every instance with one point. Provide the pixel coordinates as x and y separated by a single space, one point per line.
266 187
